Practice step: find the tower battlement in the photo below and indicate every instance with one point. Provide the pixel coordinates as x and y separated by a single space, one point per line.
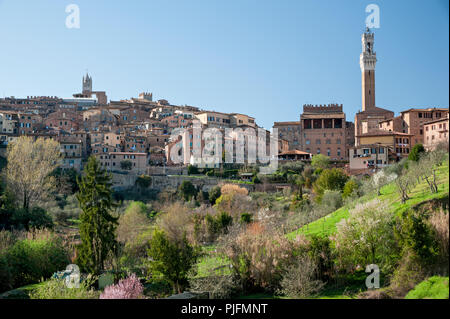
146 96
330 108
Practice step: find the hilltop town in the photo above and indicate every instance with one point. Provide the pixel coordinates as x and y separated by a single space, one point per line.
143 199
133 135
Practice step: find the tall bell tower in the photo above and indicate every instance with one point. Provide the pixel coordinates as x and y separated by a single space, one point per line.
87 84
367 61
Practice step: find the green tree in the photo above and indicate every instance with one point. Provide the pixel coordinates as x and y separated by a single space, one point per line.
330 179
143 182
97 225
416 152
127 165
187 190
350 188
172 259
214 194
320 161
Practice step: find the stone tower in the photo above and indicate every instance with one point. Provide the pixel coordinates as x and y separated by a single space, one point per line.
87 84
367 61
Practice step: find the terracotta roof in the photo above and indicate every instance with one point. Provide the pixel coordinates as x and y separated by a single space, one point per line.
295 152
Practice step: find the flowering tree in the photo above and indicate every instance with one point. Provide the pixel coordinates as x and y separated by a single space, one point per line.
366 237
129 288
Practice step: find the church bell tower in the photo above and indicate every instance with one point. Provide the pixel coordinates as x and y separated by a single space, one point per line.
87 84
367 61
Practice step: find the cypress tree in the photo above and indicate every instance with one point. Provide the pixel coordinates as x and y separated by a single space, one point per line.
97 225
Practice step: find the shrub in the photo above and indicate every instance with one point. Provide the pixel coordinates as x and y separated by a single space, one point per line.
176 221
433 288
414 232
6 279
320 251
246 218
439 221
56 289
320 161
350 189
299 280
332 199
192 169
129 288
187 190
218 224
218 286
143 181
256 180
30 260
408 273
258 257
233 189
214 194
35 218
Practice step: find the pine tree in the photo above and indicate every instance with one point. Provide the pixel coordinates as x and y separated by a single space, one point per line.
97 225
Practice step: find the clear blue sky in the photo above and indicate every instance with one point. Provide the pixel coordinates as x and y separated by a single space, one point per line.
262 58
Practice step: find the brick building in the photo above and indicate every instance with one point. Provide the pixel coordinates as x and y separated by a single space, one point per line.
413 120
324 131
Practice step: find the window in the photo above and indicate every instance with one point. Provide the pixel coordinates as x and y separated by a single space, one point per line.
328 141
318 141
381 150
339 152
317 124
328 152
420 115
318 151
338 141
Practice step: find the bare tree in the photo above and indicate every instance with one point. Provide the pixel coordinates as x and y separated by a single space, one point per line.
28 170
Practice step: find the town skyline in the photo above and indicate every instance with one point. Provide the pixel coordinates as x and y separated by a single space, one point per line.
405 77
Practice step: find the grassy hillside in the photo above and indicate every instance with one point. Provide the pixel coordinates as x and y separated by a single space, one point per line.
326 226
